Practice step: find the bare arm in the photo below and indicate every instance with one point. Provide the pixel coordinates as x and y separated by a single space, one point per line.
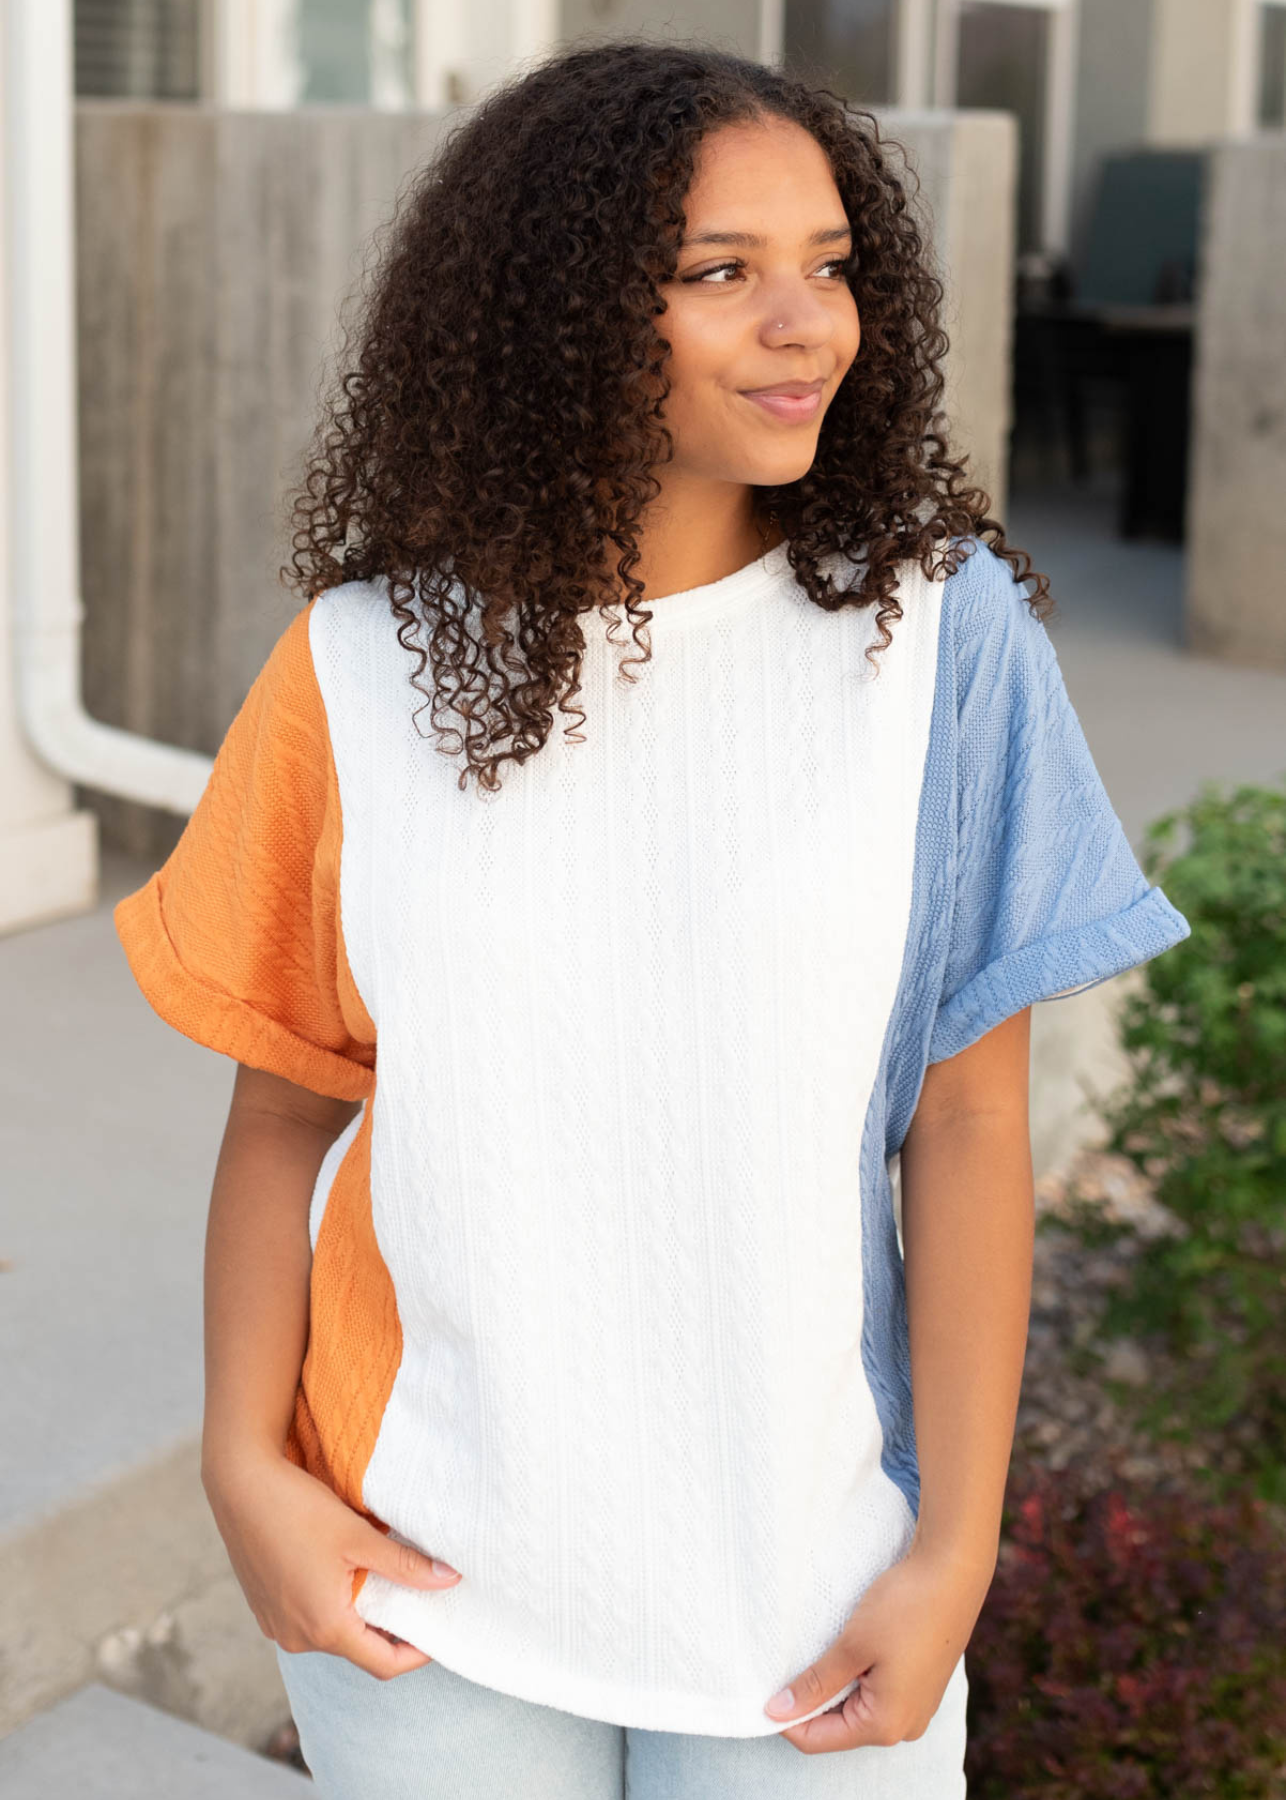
257 1262
968 1229
293 1543
967 1232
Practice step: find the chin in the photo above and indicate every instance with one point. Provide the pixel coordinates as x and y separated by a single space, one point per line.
780 472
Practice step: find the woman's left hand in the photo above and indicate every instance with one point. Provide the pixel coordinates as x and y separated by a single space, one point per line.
903 1640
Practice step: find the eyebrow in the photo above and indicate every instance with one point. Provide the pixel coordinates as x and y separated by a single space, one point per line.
826 234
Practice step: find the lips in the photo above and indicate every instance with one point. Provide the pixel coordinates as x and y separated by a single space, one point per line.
794 389
791 400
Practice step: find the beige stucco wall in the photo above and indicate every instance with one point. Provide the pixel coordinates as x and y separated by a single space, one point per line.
1236 563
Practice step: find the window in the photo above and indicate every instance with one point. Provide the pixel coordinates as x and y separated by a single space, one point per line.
355 50
137 49
335 50
1272 67
850 44
1003 63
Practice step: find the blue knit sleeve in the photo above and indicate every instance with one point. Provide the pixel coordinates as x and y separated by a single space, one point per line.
1048 897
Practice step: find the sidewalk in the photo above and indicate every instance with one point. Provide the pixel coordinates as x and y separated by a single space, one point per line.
1158 720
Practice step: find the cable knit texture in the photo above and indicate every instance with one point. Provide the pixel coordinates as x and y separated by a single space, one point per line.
608 1305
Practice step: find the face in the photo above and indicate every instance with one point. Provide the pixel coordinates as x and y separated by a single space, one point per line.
758 299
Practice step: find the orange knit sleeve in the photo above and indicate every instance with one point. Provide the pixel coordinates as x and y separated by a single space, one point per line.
236 940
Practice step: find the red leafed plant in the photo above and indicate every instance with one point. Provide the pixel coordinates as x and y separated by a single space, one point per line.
1132 1646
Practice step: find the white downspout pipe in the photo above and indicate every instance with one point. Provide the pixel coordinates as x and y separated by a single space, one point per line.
42 429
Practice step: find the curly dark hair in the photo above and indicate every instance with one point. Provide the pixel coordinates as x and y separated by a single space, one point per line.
495 437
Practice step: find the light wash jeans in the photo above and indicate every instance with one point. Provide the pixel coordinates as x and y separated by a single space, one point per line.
432 1735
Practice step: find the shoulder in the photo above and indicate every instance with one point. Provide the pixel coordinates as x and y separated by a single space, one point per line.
354 644
984 591
278 742
288 670
347 611
283 705
354 626
987 614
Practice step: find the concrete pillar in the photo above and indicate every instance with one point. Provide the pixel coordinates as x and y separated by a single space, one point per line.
1236 564
1201 70
461 52
48 849
967 163
250 53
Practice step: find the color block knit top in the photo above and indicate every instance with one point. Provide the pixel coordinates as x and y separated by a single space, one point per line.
607 1298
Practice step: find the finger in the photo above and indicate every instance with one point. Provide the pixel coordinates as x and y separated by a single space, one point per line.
391 1637
819 1682
368 1647
869 1715
845 1727
400 1562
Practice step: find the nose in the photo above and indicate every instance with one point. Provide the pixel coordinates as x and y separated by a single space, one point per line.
793 314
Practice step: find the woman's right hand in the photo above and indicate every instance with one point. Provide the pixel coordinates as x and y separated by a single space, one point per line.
294 1545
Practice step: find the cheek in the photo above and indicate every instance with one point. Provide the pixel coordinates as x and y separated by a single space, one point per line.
698 370
698 349
852 333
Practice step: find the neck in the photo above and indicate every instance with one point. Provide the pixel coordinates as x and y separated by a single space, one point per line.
693 534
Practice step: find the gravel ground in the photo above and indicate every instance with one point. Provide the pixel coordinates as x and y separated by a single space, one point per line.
1065 1416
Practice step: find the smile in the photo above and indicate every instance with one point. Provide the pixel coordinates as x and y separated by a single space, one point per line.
787 406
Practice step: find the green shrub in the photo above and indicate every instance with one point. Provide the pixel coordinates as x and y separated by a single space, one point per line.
1204 1118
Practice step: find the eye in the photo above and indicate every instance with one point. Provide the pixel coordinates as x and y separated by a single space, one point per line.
839 263
705 274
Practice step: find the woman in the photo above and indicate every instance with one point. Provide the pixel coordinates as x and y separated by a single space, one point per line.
592 1288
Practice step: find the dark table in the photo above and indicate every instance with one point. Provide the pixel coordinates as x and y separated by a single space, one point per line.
1147 351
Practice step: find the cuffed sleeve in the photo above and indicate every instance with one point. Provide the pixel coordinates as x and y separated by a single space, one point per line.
236 940
1049 898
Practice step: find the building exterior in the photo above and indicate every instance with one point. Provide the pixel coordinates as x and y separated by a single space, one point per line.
1084 77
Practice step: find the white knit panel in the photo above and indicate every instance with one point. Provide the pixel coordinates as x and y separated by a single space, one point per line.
629 1015
329 1169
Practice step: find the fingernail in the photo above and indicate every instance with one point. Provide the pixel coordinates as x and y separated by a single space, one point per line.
443 1568
782 1702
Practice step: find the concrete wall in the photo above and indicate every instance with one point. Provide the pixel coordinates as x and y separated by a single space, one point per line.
1236 565
214 251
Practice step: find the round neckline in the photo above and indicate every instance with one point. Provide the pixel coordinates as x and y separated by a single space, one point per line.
712 599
